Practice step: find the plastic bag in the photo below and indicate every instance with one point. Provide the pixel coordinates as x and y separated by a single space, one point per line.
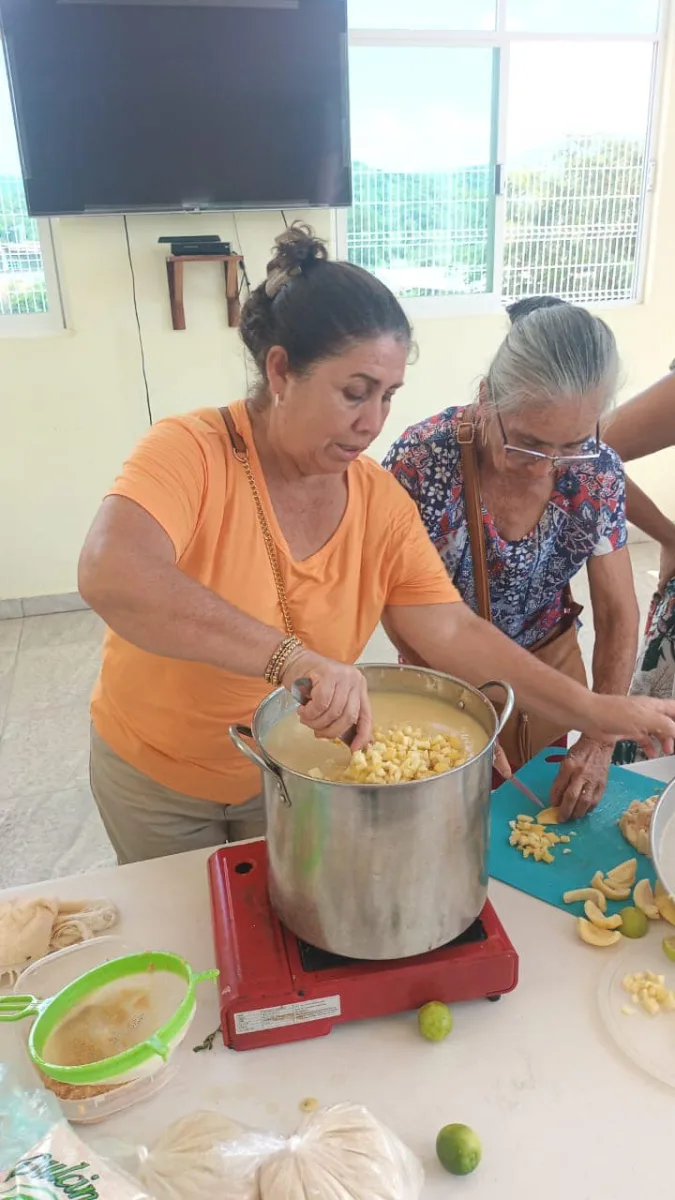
338 1153
342 1153
25 1118
206 1154
40 1155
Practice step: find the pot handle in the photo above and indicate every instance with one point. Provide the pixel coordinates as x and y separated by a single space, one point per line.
508 703
237 735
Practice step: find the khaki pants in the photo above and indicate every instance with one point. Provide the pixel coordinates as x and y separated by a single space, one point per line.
144 819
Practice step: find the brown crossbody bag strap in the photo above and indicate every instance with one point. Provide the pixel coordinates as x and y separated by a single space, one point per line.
466 437
240 451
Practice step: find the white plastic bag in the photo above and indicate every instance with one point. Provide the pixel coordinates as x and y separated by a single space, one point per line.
206 1155
342 1153
59 1166
338 1153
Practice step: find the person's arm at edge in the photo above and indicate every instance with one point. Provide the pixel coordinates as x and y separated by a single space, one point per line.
645 515
644 424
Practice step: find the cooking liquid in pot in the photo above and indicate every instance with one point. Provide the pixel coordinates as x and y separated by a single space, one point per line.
295 746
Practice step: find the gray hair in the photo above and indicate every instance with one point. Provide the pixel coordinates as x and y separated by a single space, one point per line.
553 354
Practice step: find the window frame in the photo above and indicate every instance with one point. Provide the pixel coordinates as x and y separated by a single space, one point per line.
500 40
20 325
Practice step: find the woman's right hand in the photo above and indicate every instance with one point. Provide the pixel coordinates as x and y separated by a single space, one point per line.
339 697
641 719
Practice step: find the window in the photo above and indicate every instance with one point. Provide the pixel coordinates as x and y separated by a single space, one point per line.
503 147
29 299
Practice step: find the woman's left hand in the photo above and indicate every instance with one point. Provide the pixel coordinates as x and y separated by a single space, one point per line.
582 779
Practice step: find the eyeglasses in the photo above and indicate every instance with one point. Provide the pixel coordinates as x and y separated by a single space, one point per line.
556 460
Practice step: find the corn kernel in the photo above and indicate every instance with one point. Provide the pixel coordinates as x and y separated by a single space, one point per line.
649 991
534 840
400 755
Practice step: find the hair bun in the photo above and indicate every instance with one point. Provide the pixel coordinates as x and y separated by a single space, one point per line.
519 309
297 251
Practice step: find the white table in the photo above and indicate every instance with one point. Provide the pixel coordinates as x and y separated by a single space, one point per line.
561 1114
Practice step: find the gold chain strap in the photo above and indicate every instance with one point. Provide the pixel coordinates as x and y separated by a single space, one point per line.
242 457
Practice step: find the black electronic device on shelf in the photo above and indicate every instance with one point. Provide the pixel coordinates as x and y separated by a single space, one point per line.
190 245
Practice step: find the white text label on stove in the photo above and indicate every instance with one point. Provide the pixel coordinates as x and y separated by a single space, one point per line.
287 1014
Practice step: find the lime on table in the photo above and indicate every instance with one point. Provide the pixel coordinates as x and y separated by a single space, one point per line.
634 923
458 1149
435 1021
668 944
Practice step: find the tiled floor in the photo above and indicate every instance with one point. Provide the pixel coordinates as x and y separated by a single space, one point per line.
48 823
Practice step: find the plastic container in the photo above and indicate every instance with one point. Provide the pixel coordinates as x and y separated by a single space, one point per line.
48 976
112 1025
649 1042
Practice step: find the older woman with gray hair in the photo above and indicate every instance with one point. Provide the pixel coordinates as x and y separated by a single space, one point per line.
518 493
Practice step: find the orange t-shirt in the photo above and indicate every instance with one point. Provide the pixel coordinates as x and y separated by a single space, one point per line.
170 718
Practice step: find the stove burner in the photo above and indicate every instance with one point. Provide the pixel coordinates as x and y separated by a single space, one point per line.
274 988
314 959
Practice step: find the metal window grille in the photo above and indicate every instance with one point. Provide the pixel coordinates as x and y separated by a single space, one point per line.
570 220
423 234
573 223
23 287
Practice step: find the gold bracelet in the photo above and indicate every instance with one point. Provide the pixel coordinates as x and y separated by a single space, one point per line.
285 658
280 659
271 669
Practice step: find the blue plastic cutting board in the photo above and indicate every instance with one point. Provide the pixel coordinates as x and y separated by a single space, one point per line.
598 844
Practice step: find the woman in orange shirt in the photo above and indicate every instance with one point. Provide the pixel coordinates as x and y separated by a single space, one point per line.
243 548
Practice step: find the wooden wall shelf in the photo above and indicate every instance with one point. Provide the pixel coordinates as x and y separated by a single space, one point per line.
174 270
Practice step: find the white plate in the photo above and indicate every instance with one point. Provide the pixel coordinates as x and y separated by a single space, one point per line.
649 1042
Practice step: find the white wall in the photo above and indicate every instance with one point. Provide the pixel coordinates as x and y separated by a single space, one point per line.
72 406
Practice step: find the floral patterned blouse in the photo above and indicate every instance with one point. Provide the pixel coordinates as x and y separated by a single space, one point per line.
585 516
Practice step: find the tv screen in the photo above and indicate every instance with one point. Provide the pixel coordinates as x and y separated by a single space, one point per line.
165 105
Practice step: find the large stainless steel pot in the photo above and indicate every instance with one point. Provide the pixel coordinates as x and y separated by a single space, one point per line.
379 872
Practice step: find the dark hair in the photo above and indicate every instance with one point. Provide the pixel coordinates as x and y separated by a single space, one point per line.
529 304
315 308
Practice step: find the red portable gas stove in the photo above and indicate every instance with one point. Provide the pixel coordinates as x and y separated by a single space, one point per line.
275 988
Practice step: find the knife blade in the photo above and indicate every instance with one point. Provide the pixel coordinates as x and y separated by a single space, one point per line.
523 789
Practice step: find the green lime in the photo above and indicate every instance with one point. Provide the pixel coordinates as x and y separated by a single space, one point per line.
435 1021
458 1149
668 944
634 923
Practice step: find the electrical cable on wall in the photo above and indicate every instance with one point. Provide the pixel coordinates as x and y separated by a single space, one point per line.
245 282
141 346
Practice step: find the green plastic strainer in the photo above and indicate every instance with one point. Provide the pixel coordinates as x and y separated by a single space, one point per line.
152 997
